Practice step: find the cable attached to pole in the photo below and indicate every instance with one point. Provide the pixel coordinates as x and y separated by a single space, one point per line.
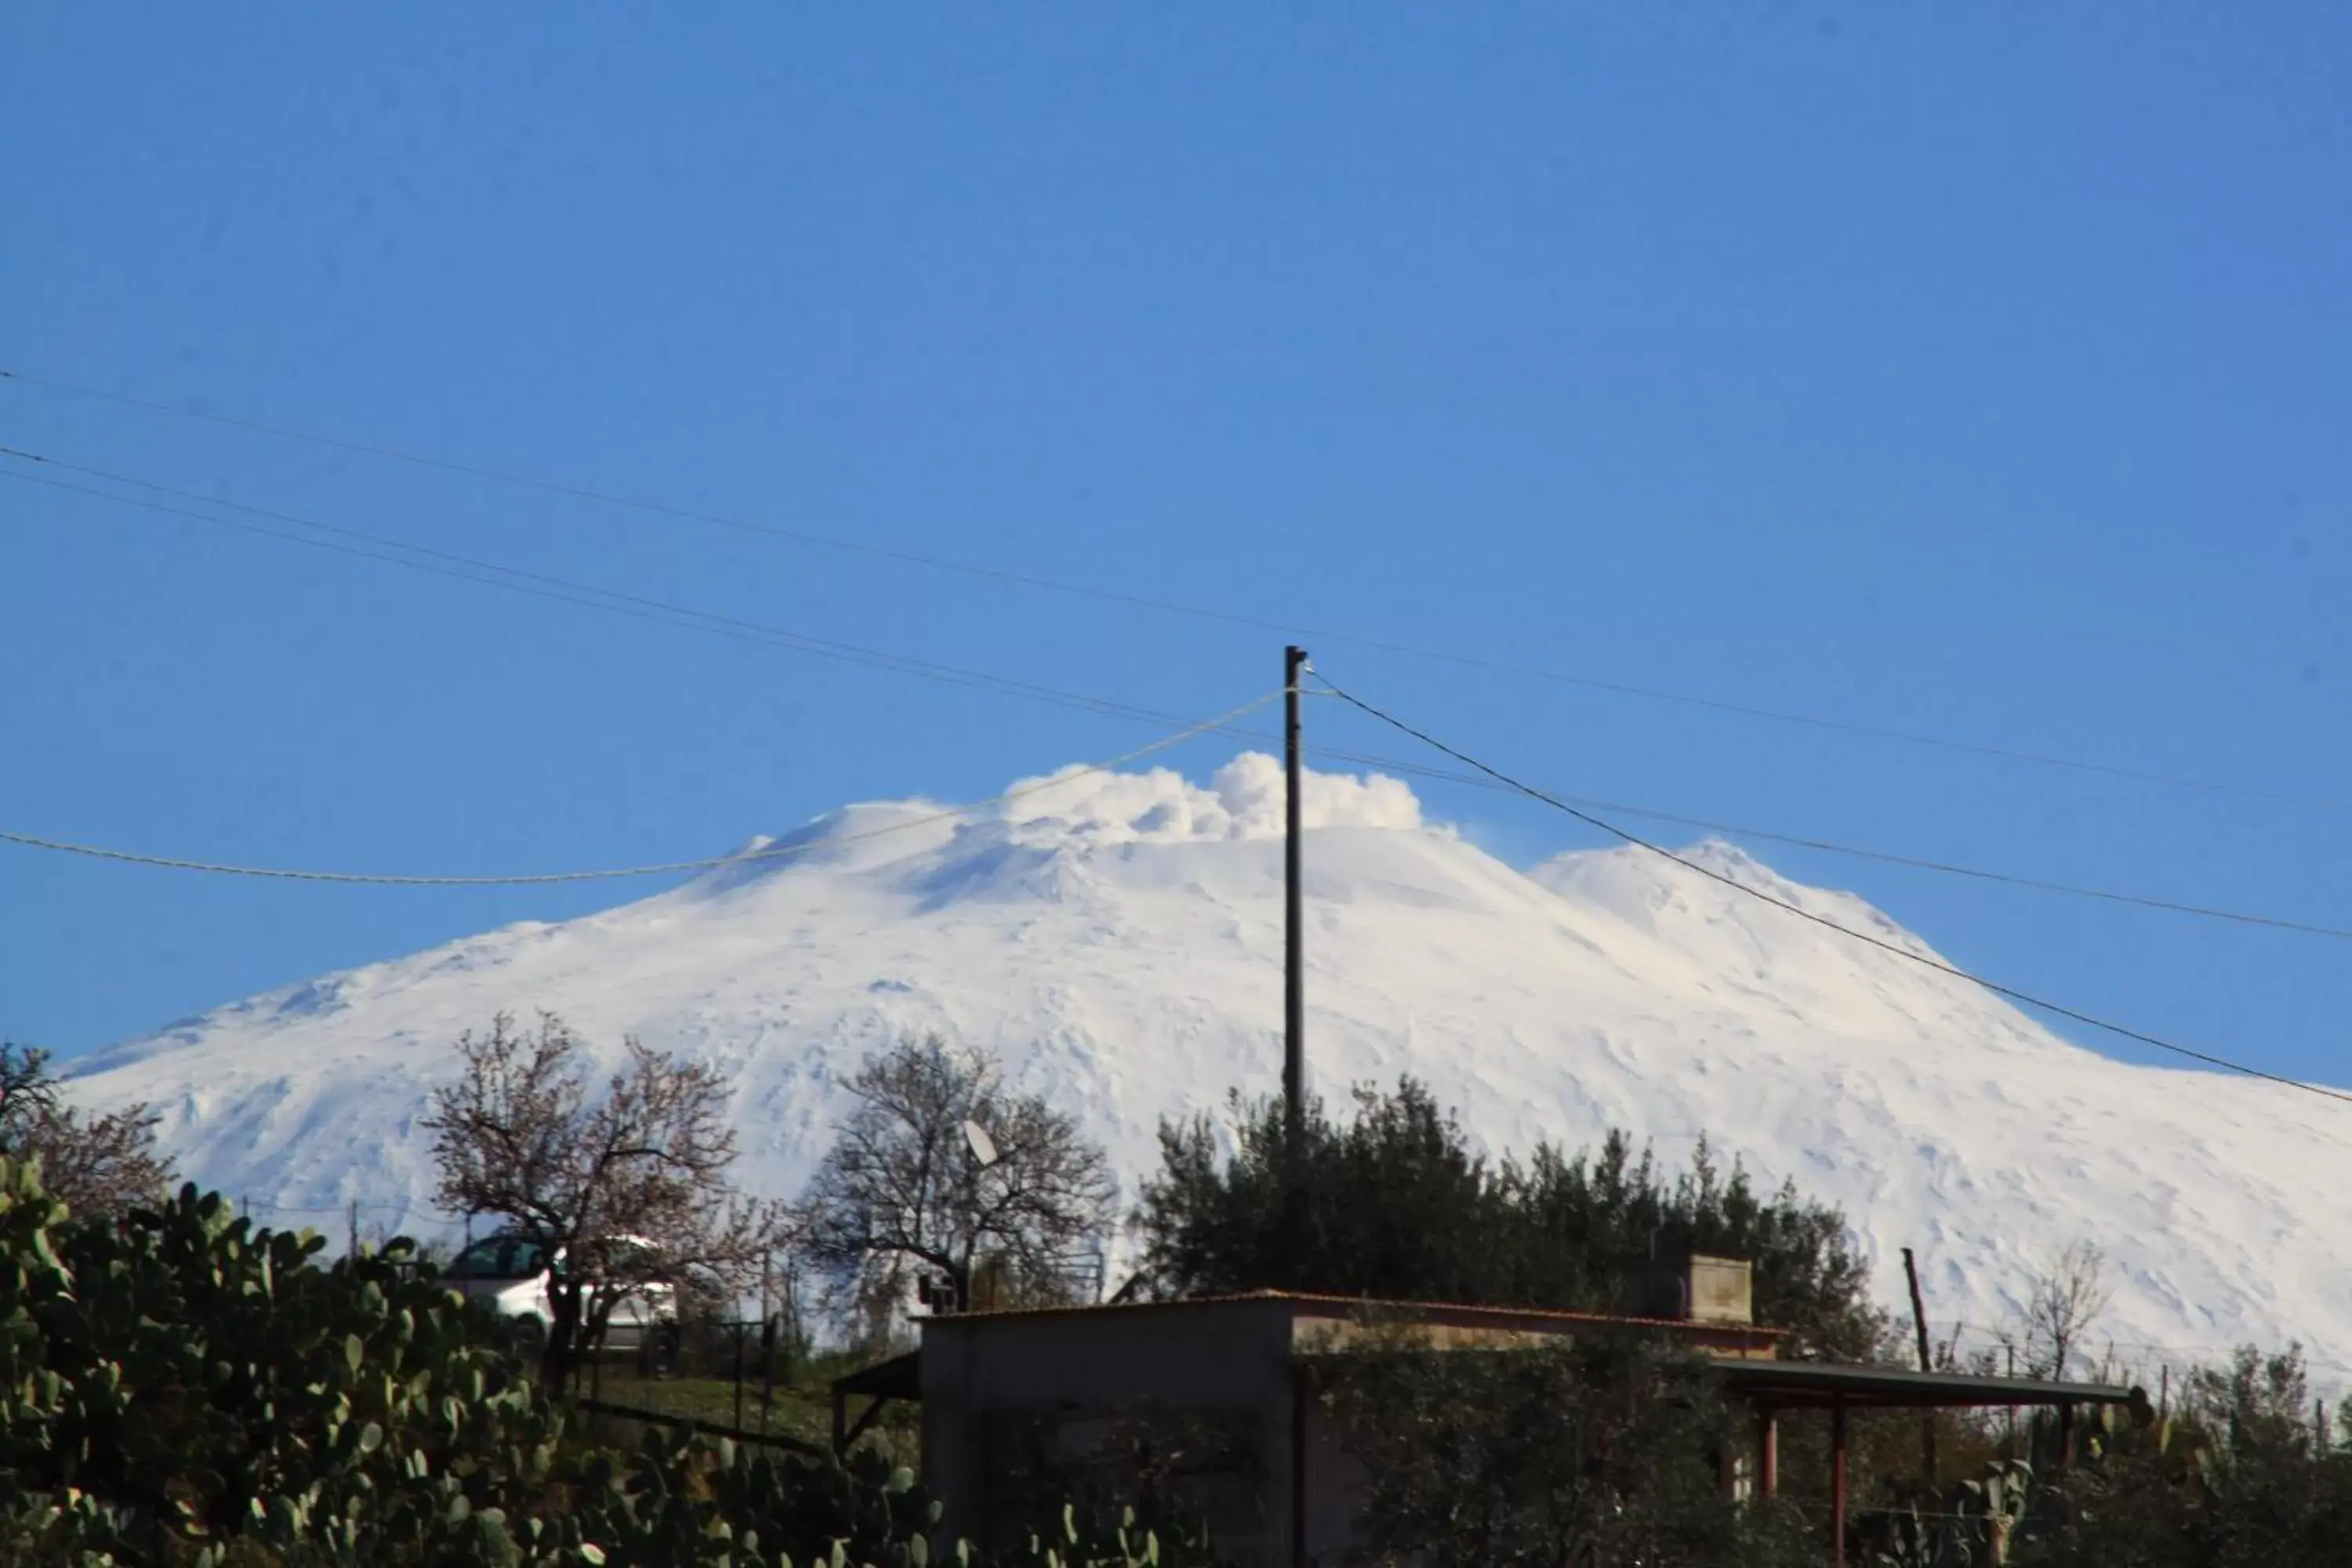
2009 991
1294 975
662 611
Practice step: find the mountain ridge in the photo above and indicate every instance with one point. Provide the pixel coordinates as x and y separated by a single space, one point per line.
1116 938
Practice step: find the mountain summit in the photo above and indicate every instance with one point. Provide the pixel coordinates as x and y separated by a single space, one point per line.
1117 939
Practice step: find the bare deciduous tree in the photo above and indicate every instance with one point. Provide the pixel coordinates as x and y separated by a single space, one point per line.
2065 1297
903 1188
520 1136
99 1165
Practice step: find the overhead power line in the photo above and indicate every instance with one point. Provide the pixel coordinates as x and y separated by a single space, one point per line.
670 867
2009 992
662 611
544 585
1171 606
1916 863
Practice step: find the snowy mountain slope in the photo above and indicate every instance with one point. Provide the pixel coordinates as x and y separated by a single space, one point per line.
1117 939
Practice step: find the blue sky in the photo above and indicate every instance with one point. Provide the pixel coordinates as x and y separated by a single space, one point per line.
1984 372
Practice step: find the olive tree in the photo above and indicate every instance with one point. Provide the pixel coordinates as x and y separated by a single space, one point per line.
940 1167
625 1186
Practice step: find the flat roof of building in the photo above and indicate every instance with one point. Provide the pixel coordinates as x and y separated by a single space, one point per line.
1757 1378
1499 1317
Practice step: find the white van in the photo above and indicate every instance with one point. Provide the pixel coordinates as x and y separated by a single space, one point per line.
509 1274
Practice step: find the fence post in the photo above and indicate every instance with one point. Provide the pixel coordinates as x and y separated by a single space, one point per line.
741 1331
766 1370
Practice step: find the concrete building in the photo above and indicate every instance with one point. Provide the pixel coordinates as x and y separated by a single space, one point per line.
1012 1402
1011 1397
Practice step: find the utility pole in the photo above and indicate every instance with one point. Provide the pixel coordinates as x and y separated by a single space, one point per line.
1293 934
1294 984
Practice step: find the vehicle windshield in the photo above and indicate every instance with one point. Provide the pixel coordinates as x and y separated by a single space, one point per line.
499 1257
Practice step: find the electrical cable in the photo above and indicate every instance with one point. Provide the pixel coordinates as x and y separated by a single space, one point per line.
663 612
566 591
744 857
1169 606
2010 993
1945 867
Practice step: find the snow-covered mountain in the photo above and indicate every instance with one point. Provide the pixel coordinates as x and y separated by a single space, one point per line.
1115 939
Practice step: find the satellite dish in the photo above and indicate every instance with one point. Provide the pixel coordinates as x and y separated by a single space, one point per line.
982 1147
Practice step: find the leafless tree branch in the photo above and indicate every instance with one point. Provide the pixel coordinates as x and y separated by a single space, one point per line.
99 1165
520 1136
900 1190
2065 1297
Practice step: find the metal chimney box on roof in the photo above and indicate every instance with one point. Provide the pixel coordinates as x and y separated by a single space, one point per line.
1699 1288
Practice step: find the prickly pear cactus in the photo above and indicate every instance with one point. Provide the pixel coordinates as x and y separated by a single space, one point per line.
1089 1539
180 1387
179 1379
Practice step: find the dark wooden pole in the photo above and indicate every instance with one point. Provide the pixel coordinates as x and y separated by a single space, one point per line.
1837 1484
742 1329
1294 933
1927 1363
1294 1272
766 1370
1300 1402
2012 1409
1768 1453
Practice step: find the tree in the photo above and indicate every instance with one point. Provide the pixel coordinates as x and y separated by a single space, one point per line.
904 1187
1394 1204
2066 1297
1399 1206
1594 1450
180 1386
2246 1472
590 1179
98 1166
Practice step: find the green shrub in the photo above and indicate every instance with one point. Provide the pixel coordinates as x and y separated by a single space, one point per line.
178 1387
177 1379
1593 1450
1393 1203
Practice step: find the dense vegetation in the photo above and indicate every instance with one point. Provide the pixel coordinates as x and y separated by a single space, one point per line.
1592 1452
2248 1472
1595 1451
1393 1203
180 1387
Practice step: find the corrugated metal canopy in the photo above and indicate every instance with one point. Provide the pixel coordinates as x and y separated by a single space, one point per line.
1796 1384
